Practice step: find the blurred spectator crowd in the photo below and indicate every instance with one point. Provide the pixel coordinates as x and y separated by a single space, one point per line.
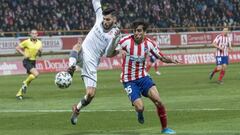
66 15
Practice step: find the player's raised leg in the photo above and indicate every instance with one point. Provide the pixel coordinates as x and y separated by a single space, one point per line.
161 111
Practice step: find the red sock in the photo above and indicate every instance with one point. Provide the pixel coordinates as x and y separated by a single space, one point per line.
162 116
222 73
155 67
148 67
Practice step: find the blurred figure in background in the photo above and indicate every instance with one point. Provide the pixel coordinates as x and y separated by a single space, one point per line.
153 63
222 43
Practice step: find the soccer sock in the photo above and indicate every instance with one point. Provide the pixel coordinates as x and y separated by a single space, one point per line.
156 67
84 102
222 73
162 116
29 79
148 67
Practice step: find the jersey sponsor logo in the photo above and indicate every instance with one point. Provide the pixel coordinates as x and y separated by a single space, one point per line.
137 58
145 49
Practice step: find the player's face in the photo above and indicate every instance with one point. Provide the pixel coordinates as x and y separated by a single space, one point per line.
225 31
139 33
108 21
34 34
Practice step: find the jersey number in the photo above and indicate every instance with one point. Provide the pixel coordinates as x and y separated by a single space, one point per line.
128 89
219 59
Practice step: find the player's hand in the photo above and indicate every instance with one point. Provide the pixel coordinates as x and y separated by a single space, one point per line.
71 70
221 48
39 53
175 61
80 40
25 56
117 33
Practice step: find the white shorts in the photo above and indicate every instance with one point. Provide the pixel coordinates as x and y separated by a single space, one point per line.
89 82
88 70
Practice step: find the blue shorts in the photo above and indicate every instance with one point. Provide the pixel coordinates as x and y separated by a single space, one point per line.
220 60
138 87
153 59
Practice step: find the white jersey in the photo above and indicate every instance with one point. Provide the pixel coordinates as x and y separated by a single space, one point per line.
97 40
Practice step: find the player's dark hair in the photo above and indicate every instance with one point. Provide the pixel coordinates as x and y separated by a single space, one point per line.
138 22
108 11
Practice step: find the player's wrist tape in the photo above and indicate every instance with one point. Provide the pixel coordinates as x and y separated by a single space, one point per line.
72 62
73 54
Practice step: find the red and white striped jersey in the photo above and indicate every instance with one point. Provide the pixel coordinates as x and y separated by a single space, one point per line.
133 66
223 42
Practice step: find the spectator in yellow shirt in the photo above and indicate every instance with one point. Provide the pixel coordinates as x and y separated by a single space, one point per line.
30 49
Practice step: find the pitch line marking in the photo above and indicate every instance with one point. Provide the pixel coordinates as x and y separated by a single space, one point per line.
112 110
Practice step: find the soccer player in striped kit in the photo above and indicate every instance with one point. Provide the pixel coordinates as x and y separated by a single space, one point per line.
135 79
222 43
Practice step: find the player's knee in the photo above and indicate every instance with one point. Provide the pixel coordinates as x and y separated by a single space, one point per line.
36 74
90 93
219 68
139 108
158 103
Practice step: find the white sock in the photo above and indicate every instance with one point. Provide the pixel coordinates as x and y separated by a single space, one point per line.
79 105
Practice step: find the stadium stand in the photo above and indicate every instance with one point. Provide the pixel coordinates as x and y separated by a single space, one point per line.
22 15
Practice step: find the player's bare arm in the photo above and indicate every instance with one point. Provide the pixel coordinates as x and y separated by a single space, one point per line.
167 59
230 47
21 51
39 52
78 46
216 46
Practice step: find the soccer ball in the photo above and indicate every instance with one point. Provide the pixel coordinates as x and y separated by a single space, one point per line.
63 79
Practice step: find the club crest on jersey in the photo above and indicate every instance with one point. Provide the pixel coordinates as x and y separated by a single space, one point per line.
110 33
145 49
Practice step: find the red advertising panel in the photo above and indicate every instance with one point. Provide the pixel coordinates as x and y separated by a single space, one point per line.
55 65
236 38
199 38
58 43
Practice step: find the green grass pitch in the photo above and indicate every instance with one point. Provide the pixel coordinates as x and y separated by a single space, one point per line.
195 105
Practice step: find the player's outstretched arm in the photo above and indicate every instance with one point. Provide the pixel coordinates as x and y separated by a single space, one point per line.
230 46
168 60
98 10
216 46
21 51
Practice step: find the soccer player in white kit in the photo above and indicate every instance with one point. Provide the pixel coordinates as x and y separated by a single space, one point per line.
95 45
222 43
